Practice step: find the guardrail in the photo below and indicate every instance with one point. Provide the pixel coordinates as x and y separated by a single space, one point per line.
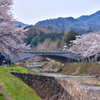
35 50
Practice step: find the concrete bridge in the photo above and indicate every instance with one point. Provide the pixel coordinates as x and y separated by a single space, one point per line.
57 55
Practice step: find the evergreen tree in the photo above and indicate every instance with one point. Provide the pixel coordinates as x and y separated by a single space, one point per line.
70 36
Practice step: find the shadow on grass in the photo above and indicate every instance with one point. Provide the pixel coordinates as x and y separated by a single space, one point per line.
1 96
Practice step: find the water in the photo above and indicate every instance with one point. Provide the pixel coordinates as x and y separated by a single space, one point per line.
90 87
55 75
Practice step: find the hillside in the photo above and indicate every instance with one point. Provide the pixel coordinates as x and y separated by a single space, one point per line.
83 24
43 38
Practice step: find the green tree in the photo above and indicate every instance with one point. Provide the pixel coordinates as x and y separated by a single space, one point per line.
59 43
42 33
41 39
29 38
70 36
34 41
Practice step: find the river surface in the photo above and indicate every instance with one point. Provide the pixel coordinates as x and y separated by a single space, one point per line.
90 87
54 75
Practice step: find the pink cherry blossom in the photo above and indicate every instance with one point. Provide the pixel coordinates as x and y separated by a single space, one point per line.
11 36
87 45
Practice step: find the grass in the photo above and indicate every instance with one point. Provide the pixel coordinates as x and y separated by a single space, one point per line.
82 69
16 89
58 63
53 65
92 84
19 69
82 72
1 96
38 69
76 63
60 73
38 63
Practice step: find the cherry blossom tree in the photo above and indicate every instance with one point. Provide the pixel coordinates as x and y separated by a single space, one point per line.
88 46
11 36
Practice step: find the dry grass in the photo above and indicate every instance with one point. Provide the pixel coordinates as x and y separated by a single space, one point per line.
53 65
82 69
20 64
91 82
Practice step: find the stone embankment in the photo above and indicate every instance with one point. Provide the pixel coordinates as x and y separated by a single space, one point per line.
46 87
78 90
50 88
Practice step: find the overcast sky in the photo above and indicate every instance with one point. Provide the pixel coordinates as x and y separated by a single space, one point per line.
32 11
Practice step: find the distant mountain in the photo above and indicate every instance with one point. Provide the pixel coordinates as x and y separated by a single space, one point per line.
18 23
83 24
86 17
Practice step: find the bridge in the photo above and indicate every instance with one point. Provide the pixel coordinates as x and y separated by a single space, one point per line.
57 55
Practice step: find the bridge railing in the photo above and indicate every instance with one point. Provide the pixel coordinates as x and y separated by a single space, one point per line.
46 50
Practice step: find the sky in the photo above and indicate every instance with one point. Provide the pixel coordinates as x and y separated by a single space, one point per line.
32 11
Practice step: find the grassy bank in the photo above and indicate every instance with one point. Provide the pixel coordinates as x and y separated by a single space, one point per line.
14 87
15 68
82 69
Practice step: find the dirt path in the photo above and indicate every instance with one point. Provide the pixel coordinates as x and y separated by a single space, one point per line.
6 96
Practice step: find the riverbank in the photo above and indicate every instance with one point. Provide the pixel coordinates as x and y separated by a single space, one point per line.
14 88
77 69
51 88
46 84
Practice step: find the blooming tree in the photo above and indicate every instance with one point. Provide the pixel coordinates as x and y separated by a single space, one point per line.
11 36
88 45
